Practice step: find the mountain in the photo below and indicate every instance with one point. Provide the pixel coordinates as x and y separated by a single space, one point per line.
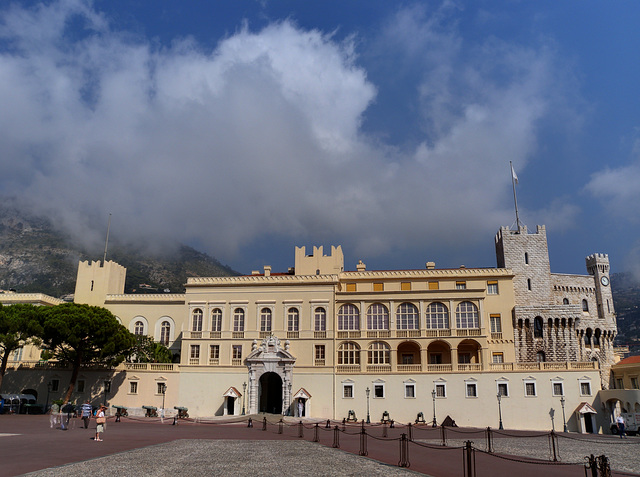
626 298
35 257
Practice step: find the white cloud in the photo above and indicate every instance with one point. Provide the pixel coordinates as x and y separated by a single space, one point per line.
261 136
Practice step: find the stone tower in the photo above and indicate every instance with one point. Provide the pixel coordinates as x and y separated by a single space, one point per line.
96 280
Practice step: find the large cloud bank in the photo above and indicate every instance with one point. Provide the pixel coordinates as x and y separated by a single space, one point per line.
263 136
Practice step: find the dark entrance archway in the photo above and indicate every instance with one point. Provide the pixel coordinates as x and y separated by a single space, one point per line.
270 393
231 406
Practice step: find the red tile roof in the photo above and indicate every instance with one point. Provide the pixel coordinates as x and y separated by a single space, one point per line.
630 360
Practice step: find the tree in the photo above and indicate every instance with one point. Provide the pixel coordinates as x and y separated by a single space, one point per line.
19 325
80 334
148 351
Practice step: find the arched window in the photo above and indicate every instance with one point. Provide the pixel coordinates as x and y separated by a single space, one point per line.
320 319
216 319
596 337
165 332
407 317
537 327
348 317
437 316
379 353
565 301
377 317
265 319
587 336
238 319
540 357
138 328
349 353
293 319
467 315
197 320
585 305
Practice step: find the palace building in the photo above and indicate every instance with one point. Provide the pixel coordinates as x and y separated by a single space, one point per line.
475 344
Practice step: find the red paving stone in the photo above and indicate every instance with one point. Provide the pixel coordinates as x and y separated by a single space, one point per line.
36 446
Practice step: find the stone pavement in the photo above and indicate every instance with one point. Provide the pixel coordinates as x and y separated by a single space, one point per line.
220 447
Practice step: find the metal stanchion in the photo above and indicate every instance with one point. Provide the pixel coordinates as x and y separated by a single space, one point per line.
444 435
250 423
264 424
410 432
404 451
384 429
363 442
467 453
300 429
316 437
336 437
553 438
328 424
280 425
489 442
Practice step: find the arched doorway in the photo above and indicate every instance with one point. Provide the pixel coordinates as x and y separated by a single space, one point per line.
270 393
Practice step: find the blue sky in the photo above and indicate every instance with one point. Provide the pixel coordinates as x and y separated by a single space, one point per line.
246 128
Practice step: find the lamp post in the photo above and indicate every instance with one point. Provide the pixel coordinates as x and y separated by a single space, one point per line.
368 391
107 388
289 413
499 396
433 395
46 405
244 391
564 419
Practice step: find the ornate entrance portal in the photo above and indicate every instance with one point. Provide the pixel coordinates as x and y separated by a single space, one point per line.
270 369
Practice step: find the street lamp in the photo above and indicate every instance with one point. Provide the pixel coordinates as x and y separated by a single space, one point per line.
290 400
564 420
46 405
433 395
244 391
368 391
107 388
499 396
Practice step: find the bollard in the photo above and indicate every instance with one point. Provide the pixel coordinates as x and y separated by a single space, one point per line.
316 437
489 443
175 421
250 423
336 437
280 424
328 424
384 429
264 424
363 442
393 424
552 437
467 456
404 451
300 429
444 436
410 432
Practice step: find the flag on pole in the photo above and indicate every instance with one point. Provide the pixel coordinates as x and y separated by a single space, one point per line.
513 174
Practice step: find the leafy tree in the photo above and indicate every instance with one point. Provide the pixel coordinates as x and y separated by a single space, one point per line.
19 325
148 351
80 334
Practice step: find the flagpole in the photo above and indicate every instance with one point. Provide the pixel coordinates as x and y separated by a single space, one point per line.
106 244
515 199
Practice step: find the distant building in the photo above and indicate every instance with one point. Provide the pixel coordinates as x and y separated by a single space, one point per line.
324 341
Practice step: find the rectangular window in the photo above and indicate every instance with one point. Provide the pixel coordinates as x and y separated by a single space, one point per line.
378 287
464 358
319 352
80 386
409 390
558 389
378 390
496 323
195 351
634 383
441 390
347 391
530 389
461 285
351 287
434 286
214 351
585 388
492 287
236 351
55 385
133 387
497 358
162 388
472 390
619 383
503 389
405 286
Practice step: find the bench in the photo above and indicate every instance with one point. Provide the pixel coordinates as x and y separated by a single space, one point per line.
151 411
182 412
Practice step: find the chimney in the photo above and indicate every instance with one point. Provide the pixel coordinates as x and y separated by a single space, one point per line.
431 265
267 270
361 267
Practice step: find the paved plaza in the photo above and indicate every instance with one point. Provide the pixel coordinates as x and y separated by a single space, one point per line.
221 447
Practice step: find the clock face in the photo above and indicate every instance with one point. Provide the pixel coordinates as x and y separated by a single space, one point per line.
604 281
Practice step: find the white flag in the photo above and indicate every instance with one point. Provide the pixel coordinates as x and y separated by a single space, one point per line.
513 174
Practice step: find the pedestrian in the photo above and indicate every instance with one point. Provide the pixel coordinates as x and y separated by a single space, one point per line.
54 411
300 408
86 410
620 422
101 420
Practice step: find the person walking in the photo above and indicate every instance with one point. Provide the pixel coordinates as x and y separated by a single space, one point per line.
620 422
101 420
86 410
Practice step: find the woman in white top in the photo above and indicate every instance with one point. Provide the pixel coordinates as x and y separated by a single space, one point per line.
100 420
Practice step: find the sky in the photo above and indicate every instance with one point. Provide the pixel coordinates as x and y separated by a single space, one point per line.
247 128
